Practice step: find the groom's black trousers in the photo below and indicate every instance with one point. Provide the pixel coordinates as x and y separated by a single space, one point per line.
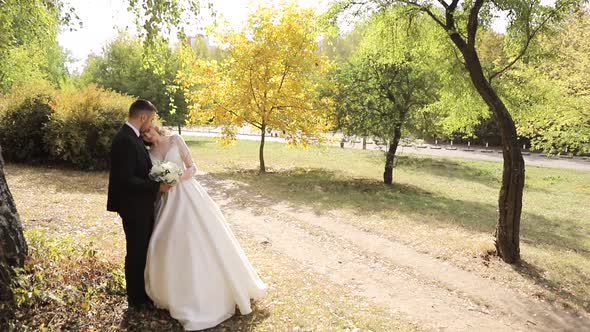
132 194
138 230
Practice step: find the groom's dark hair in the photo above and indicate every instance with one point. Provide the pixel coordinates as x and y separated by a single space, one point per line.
141 105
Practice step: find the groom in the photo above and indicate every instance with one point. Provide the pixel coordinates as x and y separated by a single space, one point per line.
132 195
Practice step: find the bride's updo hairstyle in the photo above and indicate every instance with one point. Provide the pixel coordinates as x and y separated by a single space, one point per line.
160 130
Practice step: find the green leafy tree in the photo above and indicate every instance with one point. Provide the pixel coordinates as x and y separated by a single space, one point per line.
552 118
340 47
31 53
121 67
564 54
158 20
388 78
25 25
463 23
552 90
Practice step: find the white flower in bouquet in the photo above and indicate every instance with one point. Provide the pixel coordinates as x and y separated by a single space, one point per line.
165 172
157 169
170 178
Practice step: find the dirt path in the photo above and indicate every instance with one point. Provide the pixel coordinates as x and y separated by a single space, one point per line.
434 293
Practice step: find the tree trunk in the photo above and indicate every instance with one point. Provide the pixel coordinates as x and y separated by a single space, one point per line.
179 130
261 151
6 296
364 143
13 248
511 192
12 239
390 156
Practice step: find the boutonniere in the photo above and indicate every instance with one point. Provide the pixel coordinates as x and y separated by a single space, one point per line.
147 147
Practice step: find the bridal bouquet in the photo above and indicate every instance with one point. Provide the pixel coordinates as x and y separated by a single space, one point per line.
165 172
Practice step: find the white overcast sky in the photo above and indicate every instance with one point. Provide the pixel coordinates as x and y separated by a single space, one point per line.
102 19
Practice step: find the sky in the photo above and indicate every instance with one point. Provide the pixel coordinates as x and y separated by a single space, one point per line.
103 19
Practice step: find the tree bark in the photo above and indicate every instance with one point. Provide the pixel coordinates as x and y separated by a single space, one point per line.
511 191
179 130
390 156
13 247
12 239
364 143
6 296
261 151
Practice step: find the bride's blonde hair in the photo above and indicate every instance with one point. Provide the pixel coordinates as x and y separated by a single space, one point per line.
161 131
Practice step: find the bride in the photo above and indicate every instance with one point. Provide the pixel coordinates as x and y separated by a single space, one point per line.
195 266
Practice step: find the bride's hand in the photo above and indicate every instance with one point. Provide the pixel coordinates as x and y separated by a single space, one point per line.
165 187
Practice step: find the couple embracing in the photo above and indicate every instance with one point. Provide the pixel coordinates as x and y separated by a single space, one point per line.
181 254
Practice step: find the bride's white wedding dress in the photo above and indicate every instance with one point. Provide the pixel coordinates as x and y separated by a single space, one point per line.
195 266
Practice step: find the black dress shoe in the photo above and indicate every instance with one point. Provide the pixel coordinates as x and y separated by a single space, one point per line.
150 306
139 307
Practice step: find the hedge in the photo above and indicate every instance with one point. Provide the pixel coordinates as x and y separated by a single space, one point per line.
75 127
24 115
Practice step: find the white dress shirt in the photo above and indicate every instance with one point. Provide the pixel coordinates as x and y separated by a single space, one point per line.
134 129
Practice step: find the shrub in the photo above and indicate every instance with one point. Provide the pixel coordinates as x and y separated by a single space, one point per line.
65 284
83 125
40 124
24 115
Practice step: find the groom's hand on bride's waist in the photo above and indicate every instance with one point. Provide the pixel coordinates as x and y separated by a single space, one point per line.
165 187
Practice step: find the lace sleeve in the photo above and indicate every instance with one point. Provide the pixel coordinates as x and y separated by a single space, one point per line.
187 159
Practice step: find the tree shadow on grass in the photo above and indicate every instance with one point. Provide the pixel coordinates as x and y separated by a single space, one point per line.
199 141
537 276
324 190
57 178
244 323
448 168
160 320
487 173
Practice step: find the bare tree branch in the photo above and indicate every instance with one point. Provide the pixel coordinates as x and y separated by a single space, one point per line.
473 22
433 16
443 3
450 16
453 5
252 87
423 8
457 57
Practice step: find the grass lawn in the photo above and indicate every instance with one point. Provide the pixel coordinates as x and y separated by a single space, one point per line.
73 280
446 207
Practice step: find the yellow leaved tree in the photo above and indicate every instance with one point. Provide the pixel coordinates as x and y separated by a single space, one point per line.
269 79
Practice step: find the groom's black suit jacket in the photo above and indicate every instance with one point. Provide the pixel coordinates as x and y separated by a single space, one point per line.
132 194
131 191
